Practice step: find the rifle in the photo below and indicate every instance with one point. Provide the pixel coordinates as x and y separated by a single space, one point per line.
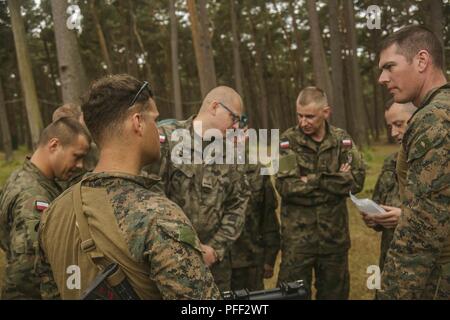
110 284
286 291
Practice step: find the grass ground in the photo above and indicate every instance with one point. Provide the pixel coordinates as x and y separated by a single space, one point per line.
365 242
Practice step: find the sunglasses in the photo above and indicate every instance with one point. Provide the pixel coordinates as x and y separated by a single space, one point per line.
143 87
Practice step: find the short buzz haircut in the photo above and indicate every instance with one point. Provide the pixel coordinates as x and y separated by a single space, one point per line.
312 95
107 104
66 130
67 110
411 39
408 107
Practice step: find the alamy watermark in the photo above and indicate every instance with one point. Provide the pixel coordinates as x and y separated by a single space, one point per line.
373 16
230 149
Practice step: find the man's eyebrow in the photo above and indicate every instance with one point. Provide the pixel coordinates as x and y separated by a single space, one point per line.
387 65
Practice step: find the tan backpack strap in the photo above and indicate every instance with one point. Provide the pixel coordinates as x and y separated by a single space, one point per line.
87 243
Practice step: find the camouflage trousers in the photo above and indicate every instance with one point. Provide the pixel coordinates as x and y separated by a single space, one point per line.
251 278
221 272
332 278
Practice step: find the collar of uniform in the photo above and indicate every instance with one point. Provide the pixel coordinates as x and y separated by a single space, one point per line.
144 181
329 141
430 95
30 167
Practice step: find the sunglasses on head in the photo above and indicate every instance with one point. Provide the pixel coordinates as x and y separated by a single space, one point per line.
144 86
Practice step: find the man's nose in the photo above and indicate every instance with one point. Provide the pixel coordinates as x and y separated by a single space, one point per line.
383 79
235 125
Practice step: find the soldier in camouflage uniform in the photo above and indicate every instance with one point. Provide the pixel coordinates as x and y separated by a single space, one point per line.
253 255
27 193
386 190
213 196
418 261
91 159
319 166
127 222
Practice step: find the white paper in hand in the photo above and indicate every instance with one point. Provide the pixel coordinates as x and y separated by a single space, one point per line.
366 205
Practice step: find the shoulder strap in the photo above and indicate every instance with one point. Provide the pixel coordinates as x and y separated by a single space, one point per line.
87 243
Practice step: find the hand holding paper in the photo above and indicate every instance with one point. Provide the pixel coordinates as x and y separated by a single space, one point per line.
367 205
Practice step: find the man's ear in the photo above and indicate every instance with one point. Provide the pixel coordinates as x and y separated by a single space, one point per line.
423 60
137 123
53 144
213 107
327 112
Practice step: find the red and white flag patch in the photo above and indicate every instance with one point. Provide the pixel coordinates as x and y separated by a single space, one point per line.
162 138
284 144
41 205
347 143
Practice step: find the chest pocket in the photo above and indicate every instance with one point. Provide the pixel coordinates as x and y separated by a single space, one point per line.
212 189
181 182
306 160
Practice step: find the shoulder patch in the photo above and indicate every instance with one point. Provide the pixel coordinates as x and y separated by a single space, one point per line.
284 144
347 143
41 205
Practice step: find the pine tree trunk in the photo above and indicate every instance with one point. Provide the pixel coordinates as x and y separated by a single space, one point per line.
202 45
237 64
174 55
320 65
360 134
71 70
26 73
338 117
101 36
6 133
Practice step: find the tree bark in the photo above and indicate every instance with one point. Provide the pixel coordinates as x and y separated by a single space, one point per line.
320 65
436 21
71 70
26 73
237 64
202 45
337 74
101 36
174 55
6 133
298 42
360 134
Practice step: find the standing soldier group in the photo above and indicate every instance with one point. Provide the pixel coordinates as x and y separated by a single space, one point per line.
188 230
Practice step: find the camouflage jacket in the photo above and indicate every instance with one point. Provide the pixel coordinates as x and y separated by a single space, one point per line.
259 242
213 196
145 233
418 262
315 212
386 192
25 195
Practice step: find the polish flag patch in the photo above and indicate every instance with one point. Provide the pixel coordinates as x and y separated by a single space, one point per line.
284 144
41 205
162 138
347 143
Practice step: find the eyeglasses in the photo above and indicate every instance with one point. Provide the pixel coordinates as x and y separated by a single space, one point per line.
234 116
145 85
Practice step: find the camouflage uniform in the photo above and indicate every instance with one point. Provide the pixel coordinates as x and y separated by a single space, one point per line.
259 242
152 231
418 262
213 196
314 217
26 194
386 192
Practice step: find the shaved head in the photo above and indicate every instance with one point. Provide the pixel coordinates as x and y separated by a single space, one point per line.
225 95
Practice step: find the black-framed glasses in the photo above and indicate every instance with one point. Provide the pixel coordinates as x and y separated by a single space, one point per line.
144 85
234 116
